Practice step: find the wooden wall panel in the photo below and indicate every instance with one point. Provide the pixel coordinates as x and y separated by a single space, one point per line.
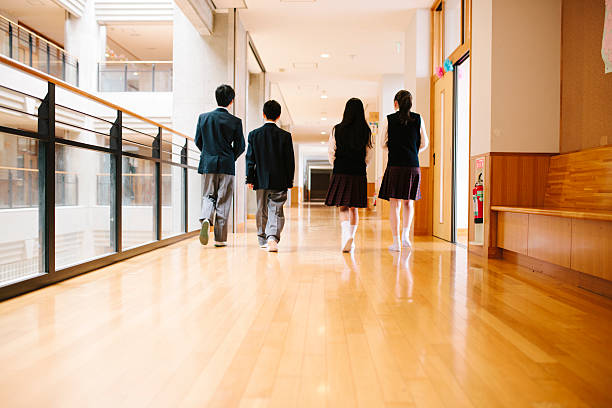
550 239
592 247
585 88
581 180
512 231
423 207
518 179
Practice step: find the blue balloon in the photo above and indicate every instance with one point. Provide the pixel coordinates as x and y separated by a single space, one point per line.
448 66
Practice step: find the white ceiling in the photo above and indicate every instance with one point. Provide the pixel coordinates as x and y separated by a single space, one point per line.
365 39
146 42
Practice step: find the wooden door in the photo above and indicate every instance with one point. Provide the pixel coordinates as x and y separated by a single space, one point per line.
442 157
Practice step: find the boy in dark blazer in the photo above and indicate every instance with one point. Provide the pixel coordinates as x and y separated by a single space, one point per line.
270 168
220 138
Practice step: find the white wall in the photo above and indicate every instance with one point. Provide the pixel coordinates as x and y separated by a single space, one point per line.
516 82
85 40
198 70
526 76
240 110
482 48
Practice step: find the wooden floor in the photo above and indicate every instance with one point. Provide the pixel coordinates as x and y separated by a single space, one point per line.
238 327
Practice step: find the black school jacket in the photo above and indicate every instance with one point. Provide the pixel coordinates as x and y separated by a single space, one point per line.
220 139
270 161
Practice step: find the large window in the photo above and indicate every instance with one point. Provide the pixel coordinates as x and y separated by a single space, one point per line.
83 226
83 184
20 245
451 31
453 24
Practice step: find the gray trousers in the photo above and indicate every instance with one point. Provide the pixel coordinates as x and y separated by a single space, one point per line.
217 193
270 216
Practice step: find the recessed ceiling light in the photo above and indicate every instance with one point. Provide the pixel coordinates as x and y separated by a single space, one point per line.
135 73
325 55
322 142
323 118
324 96
324 133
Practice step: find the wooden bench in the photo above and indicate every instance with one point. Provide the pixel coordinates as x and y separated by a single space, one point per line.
569 236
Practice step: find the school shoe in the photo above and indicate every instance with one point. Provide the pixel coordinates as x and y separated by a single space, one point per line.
272 245
204 232
220 244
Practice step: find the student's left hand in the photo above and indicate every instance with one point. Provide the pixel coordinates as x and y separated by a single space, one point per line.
250 186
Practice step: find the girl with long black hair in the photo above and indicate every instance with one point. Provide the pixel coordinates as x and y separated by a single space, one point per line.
404 138
350 147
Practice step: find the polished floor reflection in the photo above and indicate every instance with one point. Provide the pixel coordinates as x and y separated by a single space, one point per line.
239 327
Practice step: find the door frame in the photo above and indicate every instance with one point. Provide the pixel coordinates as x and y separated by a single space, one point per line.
454 194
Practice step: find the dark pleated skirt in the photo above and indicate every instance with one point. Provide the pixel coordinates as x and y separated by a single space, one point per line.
402 183
346 190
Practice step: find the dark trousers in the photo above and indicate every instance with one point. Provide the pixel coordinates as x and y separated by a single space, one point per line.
217 192
270 216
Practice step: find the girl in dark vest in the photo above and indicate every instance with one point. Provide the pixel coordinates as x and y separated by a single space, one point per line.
405 137
350 147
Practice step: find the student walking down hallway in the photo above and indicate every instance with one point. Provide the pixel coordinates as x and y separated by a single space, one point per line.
270 169
404 137
220 139
350 149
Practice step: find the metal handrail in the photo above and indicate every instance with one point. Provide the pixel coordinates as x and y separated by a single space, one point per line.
35 35
35 44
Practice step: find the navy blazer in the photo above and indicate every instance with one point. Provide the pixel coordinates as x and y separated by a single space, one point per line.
270 160
220 139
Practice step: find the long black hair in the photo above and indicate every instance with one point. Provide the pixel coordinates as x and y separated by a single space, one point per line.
354 130
404 100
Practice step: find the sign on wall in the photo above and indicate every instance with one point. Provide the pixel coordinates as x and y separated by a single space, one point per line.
606 44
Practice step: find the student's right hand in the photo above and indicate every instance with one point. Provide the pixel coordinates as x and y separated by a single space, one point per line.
250 186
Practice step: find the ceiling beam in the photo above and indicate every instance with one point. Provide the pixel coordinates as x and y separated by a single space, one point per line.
199 13
74 7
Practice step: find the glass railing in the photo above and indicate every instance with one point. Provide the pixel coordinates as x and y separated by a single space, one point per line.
19 186
23 45
135 76
83 182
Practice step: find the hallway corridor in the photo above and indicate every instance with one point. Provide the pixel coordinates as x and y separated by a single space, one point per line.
198 326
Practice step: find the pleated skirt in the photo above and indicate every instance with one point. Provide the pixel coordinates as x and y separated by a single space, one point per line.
402 183
346 190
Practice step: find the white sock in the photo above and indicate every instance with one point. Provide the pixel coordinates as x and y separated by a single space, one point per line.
346 229
353 230
396 240
406 234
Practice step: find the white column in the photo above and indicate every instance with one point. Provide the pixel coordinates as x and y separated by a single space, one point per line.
83 41
200 66
240 109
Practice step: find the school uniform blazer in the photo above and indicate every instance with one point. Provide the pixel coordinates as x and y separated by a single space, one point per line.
220 139
270 160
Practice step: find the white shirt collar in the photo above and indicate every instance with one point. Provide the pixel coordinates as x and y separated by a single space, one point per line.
222 107
271 121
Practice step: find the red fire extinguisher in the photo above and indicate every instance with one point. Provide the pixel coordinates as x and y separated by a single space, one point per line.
478 197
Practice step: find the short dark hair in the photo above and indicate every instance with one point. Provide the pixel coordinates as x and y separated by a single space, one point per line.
225 95
272 110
